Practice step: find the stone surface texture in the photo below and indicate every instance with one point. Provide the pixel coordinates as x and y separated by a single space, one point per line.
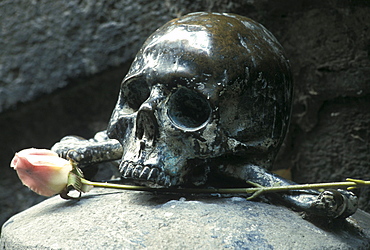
106 219
61 63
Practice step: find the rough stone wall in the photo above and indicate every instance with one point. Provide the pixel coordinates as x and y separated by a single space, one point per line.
45 43
329 138
88 45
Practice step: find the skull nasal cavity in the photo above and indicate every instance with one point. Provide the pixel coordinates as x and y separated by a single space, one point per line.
188 110
146 124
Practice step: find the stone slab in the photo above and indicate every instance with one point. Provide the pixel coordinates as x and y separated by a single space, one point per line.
110 219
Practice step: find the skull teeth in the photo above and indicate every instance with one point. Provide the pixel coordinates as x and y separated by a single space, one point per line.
130 170
153 174
127 170
137 171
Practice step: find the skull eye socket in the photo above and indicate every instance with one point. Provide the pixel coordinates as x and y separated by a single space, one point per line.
188 110
134 93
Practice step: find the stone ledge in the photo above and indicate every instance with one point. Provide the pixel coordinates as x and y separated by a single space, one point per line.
106 219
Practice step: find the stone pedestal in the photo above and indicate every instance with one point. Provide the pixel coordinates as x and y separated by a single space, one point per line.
111 219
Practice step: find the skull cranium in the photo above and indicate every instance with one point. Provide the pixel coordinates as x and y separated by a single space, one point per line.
203 88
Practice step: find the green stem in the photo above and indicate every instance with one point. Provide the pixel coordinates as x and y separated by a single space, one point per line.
349 184
116 186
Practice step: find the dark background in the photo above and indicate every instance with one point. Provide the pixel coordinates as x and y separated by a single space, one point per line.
327 42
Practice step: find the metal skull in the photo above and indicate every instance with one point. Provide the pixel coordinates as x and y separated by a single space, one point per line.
204 89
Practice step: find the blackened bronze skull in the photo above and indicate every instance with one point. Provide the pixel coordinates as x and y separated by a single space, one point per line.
203 88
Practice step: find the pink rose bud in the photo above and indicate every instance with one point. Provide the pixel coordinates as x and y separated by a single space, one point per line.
42 170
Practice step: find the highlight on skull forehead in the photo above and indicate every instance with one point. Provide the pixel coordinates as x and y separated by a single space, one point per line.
193 37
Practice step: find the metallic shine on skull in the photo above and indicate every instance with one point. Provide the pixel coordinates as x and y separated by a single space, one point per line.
204 89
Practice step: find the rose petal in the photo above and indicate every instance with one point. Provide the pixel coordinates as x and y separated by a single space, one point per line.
42 170
37 151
